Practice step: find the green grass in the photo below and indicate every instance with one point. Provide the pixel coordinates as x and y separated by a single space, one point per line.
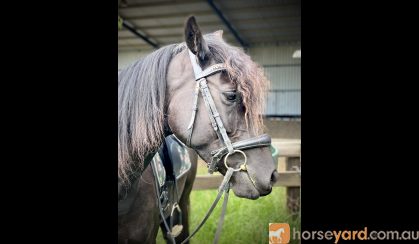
246 220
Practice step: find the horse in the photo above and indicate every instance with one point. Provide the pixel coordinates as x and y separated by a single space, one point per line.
141 221
224 127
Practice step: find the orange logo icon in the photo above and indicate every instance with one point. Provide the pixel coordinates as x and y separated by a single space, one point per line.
279 233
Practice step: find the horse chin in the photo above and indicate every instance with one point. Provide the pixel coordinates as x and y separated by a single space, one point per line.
243 187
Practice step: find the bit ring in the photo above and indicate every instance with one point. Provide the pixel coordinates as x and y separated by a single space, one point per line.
243 165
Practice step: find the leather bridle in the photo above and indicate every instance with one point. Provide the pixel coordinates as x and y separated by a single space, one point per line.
216 122
229 147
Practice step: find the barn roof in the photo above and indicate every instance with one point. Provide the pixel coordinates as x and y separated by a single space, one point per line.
149 23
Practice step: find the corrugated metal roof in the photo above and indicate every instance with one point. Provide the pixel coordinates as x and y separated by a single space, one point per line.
269 21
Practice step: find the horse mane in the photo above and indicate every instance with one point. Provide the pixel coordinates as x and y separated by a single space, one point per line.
141 100
142 94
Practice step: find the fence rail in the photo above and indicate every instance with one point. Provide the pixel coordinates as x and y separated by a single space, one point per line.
291 178
205 182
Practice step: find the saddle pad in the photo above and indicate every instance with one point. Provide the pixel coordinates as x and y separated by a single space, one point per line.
179 155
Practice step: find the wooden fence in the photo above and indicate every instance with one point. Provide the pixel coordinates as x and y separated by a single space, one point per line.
291 178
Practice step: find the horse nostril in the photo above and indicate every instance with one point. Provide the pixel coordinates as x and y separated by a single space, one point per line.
274 177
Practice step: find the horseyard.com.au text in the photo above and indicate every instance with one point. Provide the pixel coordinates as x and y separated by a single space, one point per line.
280 233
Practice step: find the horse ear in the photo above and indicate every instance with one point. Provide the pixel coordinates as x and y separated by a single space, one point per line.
194 39
219 33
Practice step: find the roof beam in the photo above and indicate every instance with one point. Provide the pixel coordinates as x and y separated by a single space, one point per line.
227 23
135 32
152 3
277 20
153 15
135 47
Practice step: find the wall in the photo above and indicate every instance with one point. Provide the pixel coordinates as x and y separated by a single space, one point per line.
125 58
284 72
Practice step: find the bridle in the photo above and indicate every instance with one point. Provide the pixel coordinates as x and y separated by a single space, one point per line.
216 122
227 150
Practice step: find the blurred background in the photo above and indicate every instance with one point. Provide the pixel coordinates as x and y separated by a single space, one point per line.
270 32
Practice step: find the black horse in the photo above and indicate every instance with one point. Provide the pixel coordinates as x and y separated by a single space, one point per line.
158 96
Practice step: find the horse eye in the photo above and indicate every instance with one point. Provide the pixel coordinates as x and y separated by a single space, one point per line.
231 96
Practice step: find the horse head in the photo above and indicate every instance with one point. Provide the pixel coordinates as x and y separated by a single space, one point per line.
233 102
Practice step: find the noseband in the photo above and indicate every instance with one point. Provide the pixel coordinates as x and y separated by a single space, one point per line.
216 122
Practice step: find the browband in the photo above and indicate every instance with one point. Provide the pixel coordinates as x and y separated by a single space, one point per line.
211 70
